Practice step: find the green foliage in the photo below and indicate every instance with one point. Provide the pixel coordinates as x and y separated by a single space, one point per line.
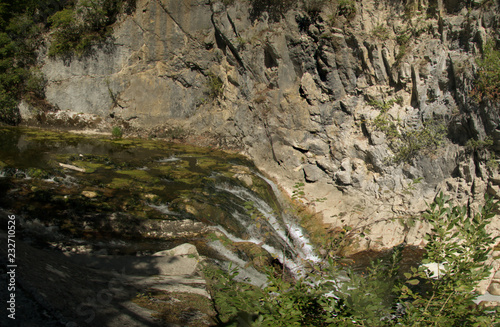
215 86
347 8
403 40
76 29
475 145
406 143
488 77
116 132
276 9
35 83
426 139
8 108
384 106
380 32
492 165
298 191
459 243
383 295
18 41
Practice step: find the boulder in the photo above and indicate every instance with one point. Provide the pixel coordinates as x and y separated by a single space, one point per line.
313 173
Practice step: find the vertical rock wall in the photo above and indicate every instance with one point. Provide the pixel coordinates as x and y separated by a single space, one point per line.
321 96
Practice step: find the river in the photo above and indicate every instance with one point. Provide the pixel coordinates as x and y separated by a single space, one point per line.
131 196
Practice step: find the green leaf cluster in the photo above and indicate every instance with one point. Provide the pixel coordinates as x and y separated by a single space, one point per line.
215 86
76 28
414 141
20 26
488 77
459 244
408 142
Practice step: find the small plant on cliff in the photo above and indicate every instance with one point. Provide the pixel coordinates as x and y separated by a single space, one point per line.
215 86
488 77
380 32
426 139
475 145
347 8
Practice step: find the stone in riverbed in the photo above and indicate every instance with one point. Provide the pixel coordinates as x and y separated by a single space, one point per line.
183 249
89 194
494 288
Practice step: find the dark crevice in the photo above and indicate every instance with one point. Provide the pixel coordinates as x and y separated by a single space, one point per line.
300 149
270 60
303 95
224 41
365 132
232 25
320 67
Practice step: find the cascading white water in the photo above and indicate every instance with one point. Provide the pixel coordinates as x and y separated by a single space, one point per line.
164 208
298 247
295 231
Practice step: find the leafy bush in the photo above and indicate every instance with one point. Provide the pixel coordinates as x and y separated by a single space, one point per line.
475 145
488 77
347 8
77 29
406 143
380 32
215 86
426 139
8 108
116 132
384 295
460 244
276 9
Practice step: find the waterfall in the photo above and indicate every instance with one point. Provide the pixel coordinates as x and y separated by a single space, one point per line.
291 247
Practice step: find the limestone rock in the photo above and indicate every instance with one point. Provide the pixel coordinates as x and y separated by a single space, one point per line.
313 173
494 288
183 249
89 194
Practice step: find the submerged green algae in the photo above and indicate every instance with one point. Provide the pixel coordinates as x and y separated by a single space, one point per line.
133 180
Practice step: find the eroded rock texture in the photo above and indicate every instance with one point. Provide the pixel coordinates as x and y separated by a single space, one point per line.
372 108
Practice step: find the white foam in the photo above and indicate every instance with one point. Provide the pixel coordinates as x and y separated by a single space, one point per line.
487 297
163 208
169 159
245 271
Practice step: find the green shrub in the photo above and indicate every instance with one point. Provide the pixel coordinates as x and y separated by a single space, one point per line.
346 8
116 132
406 143
475 145
426 139
380 32
488 77
76 29
460 244
35 83
8 108
215 86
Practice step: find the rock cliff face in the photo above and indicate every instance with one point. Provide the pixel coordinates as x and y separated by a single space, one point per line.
369 103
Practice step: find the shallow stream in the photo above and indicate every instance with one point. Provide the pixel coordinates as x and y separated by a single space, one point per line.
128 196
